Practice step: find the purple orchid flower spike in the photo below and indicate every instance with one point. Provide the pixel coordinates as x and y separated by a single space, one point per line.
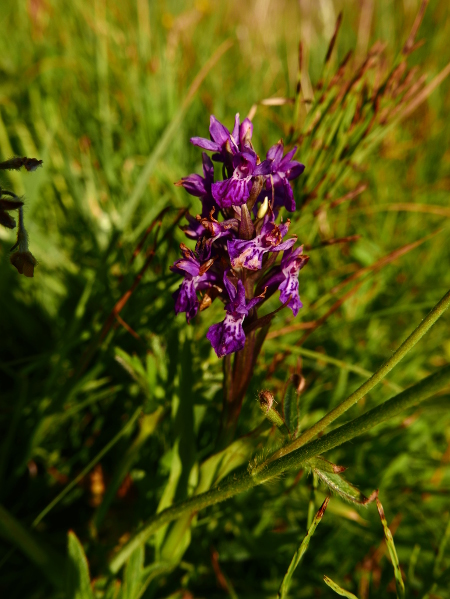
249 254
228 336
197 276
285 278
236 190
221 142
283 170
200 187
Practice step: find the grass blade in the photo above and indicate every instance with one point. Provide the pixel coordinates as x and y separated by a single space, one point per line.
171 130
337 589
78 581
284 587
392 552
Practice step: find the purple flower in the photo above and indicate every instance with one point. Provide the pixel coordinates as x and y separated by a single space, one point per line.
197 276
236 190
222 141
194 230
216 229
249 254
228 336
285 278
199 186
245 134
283 170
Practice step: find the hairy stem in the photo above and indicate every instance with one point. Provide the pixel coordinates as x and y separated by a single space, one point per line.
376 378
266 471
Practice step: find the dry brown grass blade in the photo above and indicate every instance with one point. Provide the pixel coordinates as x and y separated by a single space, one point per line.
423 95
320 321
383 261
279 358
120 304
328 242
333 39
147 233
422 208
351 195
365 24
409 44
127 327
311 326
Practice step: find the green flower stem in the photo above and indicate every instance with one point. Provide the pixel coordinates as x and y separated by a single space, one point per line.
376 378
239 483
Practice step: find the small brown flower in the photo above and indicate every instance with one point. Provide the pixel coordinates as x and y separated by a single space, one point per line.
5 219
24 262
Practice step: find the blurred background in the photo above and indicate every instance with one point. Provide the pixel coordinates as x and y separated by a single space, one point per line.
107 94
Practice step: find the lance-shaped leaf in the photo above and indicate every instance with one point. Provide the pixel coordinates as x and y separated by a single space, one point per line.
78 582
338 484
285 584
392 552
324 465
337 589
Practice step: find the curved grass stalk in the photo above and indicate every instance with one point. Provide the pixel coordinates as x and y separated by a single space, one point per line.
286 582
376 378
238 483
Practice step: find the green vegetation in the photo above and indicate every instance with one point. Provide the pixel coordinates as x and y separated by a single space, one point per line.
110 405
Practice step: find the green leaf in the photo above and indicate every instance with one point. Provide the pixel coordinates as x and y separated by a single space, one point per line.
392 552
339 485
337 589
285 584
78 581
133 573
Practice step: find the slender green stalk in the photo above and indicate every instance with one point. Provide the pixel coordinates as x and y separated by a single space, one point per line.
399 584
286 582
315 355
442 546
148 425
50 564
167 136
239 483
376 378
91 464
339 590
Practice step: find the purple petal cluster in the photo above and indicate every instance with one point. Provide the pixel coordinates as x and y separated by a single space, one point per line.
237 237
228 336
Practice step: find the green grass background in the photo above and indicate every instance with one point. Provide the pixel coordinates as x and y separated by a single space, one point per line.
97 90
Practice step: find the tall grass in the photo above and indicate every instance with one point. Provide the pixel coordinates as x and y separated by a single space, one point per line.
109 404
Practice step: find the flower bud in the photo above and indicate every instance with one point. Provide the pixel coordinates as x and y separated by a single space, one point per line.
24 262
263 208
266 401
23 259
